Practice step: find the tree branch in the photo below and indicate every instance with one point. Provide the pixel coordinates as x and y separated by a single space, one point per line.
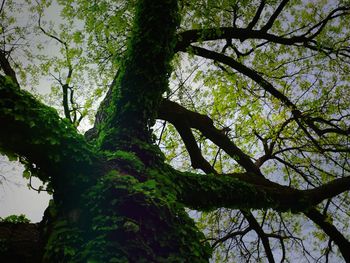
274 16
252 74
175 113
321 220
65 86
144 75
329 190
2 6
260 232
255 76
65 102
186 38
257 15
36 132
6 67
252 183
320 25
197 159
231 235
246 190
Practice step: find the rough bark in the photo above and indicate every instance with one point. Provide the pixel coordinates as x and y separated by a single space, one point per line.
20 243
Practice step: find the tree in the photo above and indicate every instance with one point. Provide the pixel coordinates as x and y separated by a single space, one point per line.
274 79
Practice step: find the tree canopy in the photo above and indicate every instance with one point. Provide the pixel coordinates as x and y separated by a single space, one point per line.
234 112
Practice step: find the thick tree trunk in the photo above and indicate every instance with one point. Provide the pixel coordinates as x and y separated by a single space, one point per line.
122 209
124 218
20 243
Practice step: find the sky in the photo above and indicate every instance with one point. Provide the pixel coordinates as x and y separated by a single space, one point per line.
15 196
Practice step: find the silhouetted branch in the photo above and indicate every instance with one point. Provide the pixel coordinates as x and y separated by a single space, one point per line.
321 220
274 16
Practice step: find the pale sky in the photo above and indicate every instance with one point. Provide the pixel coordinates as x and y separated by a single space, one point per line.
16 197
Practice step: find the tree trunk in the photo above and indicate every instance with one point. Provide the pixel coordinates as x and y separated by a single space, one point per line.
20 243
115 204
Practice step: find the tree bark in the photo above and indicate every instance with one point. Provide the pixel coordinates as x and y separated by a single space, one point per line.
20 243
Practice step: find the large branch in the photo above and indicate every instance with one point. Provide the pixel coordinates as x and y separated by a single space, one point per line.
252 74
186 38
144 75
175 114
240 191
183 119
244 190
209 192
65 86
197 159
267 86
35 132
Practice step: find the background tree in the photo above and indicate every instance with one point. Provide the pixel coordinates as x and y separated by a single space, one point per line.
258 102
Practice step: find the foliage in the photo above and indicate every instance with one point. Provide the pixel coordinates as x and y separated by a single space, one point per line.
15 219
258 100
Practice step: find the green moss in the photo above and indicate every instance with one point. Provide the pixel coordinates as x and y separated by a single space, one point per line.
143 76
65 242
129 216
125 216
48 141
128 160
